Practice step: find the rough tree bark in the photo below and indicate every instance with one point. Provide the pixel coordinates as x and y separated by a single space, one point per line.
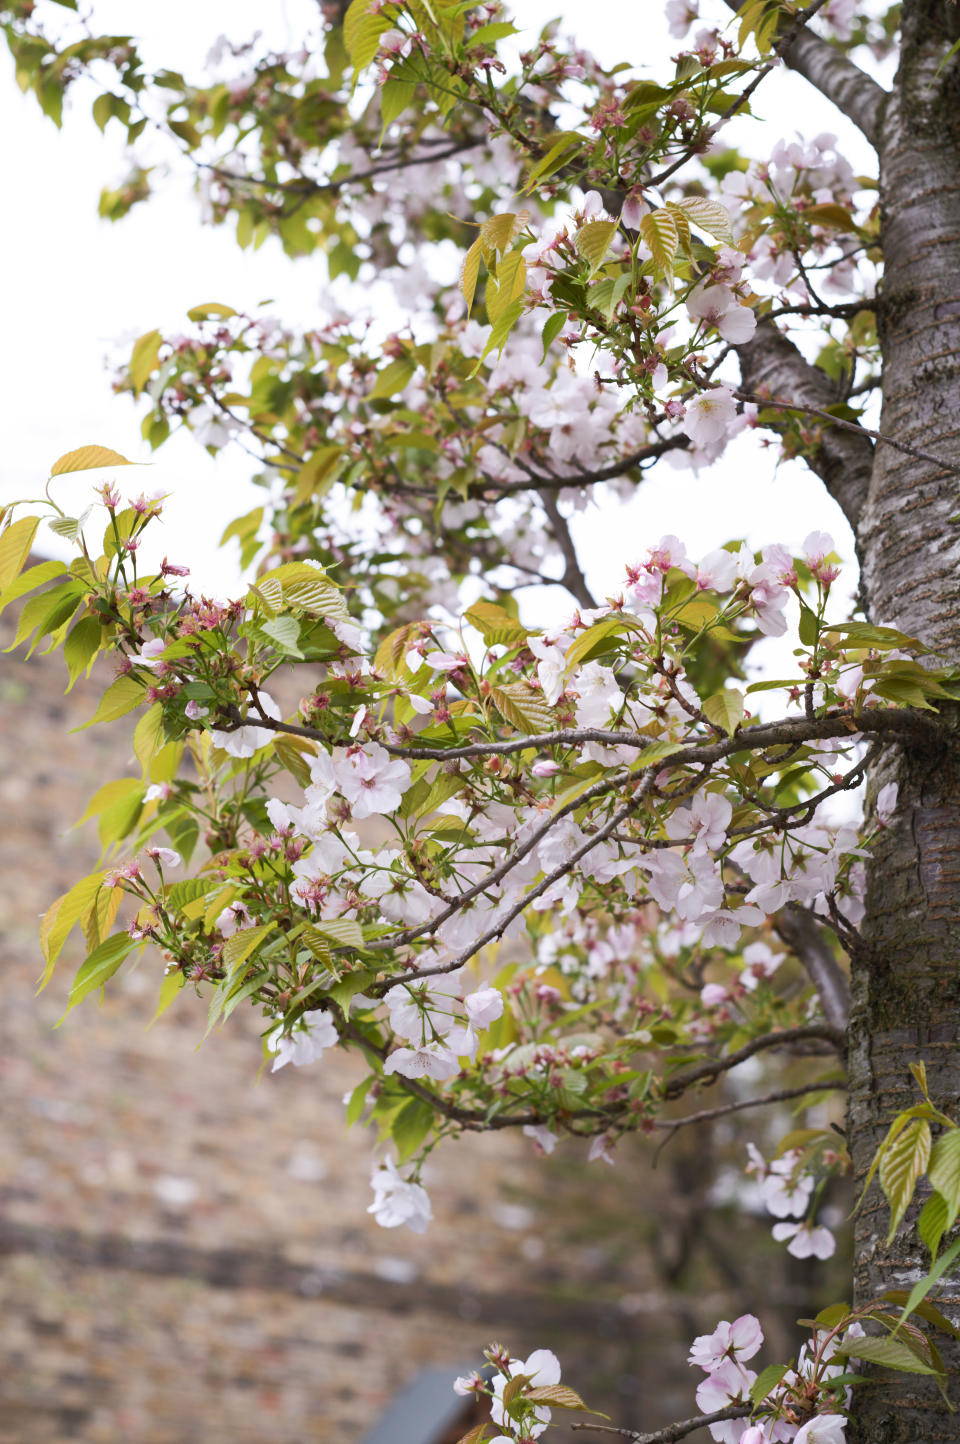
906 976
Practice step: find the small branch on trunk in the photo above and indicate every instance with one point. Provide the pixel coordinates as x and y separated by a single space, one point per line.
707 1073
800 931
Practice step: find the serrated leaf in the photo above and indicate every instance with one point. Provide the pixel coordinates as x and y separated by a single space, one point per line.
593 241
725 710
558 1396
238 948
347 987
659 232
877 638
809 626
346 932
709 216
901 1164
523 708
390 656
476 1435
469 273
499 332
87 458
657 751
888 1353
926 1311
497 232
73 907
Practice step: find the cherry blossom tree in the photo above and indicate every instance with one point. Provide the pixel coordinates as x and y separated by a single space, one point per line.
556 877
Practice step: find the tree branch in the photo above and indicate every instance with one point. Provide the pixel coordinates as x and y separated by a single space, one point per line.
844 84
799 930
672 1432
573 578
771 365
707 1073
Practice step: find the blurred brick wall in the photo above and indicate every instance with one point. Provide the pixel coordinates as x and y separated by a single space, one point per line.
186 1252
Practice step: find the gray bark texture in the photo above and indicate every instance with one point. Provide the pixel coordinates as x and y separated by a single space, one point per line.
905 979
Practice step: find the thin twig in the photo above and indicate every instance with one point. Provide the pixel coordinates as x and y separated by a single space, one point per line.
672 1432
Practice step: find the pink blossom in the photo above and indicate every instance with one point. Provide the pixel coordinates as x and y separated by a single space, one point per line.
806 1241
711 416
247 740
397 1201
824 1429
712 995
430 1060
886 805
720 307
483 1006
371 780
740 1340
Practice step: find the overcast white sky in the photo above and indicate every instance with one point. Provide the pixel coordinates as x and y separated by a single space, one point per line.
75 286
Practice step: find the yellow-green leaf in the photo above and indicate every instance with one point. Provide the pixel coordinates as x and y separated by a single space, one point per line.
143 360
725 710
593 241
901 1164
210 309
391 379
469 273
238 948
120 698
523 708
660 233
709 216
88 458
506 285
15 544
944 1171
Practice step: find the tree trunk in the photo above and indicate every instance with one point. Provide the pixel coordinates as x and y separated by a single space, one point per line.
906 977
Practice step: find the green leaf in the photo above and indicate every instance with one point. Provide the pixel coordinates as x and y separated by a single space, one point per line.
725 710
284 632
944 1171
657 751
170 989
923 1286
15 544
901 1164
809 626
391 379
766 1382
120 698
81 646
593 241
499 332
237 949
98 968
395 96
933 1222
878 638
357 1102
350 985
595 639
926 1311
889 1353
410 1127
553 159
552 327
